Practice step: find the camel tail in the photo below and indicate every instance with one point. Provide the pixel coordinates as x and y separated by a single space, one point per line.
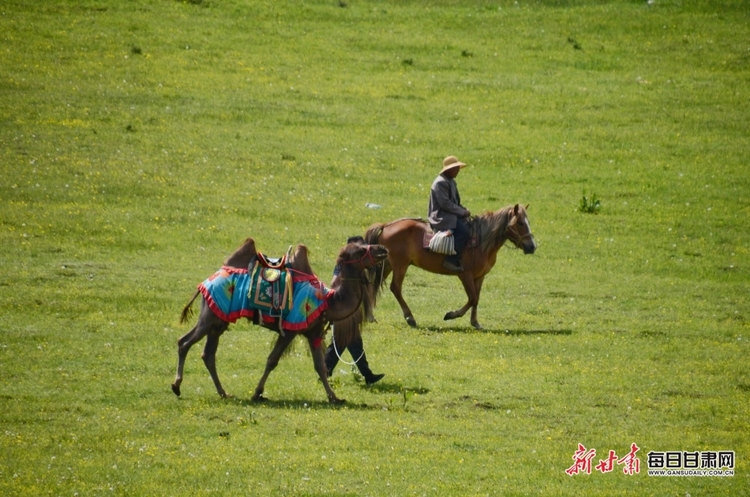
187 312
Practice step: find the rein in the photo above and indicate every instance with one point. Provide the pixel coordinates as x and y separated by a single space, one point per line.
335 349
363 282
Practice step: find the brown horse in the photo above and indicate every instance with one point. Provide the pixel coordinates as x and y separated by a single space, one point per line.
404 240
348 302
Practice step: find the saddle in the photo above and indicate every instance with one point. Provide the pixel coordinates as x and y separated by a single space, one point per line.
270 288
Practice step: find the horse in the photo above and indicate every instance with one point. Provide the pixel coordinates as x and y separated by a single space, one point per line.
404 239
346 304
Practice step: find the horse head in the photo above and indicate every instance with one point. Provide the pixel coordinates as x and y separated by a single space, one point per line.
518 230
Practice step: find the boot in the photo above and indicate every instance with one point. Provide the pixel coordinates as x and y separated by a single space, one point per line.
453 263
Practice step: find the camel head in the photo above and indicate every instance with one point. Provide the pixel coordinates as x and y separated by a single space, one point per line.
360 256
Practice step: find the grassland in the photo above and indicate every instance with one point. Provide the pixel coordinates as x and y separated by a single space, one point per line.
141 142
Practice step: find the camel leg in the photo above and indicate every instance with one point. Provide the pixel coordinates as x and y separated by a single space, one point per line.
209 356
471 293
396 282
273 360
318 356
183 347
208 324
478 285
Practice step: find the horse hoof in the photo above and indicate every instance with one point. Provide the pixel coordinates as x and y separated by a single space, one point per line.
176 389
411 321
477 326
259 398
449 315
225 395
336 401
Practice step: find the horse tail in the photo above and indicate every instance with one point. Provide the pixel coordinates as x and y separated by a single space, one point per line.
187 311
382 269
373 233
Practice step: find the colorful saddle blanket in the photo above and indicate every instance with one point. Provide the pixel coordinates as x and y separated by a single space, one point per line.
229 294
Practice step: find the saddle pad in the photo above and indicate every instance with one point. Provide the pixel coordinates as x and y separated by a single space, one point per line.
429 235
270 289
226 294
309 303
440 242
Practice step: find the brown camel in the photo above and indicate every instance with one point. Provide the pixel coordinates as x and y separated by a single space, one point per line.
347 303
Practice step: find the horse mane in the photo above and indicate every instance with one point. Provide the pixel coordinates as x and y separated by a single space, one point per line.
489 227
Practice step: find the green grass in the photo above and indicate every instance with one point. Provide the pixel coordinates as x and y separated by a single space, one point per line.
141 142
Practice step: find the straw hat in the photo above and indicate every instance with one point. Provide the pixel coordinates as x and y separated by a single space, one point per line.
450 162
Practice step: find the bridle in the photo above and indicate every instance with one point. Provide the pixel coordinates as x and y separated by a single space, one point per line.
367 256
519 238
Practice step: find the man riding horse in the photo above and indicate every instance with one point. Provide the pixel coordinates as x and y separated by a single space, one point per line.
445 211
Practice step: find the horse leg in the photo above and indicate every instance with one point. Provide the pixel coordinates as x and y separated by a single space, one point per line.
478 286
397 281
468 283
183 347
273 360
209 355
318 356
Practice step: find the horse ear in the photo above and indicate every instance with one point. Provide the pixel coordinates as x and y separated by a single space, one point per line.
515 209
527 206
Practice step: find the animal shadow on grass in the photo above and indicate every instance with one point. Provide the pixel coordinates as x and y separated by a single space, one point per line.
385 387
296 404
501 331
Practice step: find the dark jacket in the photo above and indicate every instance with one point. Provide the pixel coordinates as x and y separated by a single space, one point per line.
445 204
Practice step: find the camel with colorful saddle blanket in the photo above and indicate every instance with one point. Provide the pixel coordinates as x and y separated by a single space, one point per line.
253 286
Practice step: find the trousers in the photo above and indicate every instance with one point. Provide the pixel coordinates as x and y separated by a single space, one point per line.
357 351
460 238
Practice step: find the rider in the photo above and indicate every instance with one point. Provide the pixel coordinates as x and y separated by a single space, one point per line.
356 348
445 211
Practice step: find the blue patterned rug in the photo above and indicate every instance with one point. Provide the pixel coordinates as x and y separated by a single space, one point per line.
226 293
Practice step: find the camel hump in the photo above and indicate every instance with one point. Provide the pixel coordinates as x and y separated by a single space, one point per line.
299 260
241 257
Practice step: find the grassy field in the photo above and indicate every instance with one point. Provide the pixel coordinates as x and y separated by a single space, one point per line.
142 141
